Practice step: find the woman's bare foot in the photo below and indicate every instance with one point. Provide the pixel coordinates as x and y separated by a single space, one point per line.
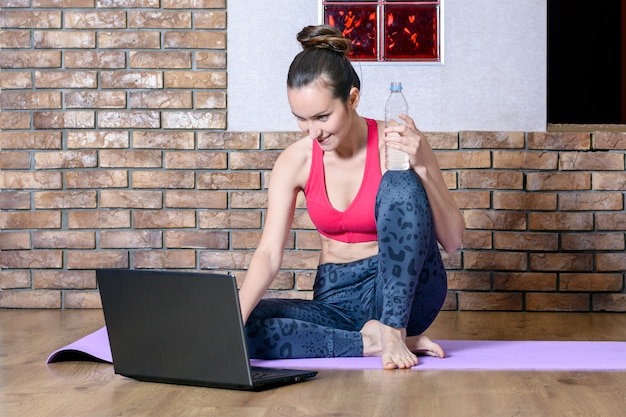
389 343
422 345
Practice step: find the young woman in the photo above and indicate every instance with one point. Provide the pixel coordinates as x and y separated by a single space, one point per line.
381 281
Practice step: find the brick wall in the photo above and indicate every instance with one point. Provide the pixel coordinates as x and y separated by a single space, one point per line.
115 153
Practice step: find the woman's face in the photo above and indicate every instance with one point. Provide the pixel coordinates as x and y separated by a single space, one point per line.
324 118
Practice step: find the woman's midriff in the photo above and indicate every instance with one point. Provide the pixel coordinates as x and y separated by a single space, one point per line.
336 252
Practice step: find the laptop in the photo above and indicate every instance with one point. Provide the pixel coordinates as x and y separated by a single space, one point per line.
182 328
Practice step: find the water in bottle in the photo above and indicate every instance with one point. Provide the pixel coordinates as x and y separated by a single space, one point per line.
395 159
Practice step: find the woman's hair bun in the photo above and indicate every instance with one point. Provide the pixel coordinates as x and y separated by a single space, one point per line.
324 37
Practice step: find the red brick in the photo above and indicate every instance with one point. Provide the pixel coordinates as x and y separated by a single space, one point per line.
14 160
151 219
210 100
608 181
504 261
224 259
101 99
228 140
56 279
113 19
14 240
131 199
498 180
611 262
24 100
526 241
494 220
94 59
195 39
129 40
611 221
97 139
15 279
14 200
63 240
81 299
30 299
163 179
66 159
194 120
591 282
131 239
149 19
307 240
472 199
31 259
225 220
98 219
578 141
128 119
195 160
196 199
591 161
592 241
96 179
591 201
205 239
467 281
210 19
557 302
477 239
161 100
250 199
64 120
492 140
511 200
130 159
166 259
524 281
30 59
66 39
611 141
609 302
30 140
525 160
66 79
560 221
561 262
195 79
464 159
543 181
15 80
31 19
229 180
97 259
489 301
65 199
30 220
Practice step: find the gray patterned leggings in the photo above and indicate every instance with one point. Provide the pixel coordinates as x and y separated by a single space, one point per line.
404 286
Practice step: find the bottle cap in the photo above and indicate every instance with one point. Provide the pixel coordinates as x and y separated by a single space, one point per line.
396 86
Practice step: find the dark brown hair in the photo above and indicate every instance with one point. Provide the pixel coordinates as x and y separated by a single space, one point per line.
324 57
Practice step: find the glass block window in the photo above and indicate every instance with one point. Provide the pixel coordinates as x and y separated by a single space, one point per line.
388 30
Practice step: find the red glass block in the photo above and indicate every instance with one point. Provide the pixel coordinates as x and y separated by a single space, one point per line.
358 23
411 33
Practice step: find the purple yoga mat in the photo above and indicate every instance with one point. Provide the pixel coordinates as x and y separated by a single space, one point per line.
461 355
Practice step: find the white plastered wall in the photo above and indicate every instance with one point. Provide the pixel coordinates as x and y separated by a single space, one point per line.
493 76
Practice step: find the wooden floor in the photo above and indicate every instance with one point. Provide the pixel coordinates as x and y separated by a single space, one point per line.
30 388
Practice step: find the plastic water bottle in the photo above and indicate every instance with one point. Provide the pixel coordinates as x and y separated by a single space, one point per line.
395 159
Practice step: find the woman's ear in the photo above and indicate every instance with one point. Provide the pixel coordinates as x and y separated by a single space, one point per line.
355 97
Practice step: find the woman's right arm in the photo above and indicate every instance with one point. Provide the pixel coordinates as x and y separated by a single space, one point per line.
285 183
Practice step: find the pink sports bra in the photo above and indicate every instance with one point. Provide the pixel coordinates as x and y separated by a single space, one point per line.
357 222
